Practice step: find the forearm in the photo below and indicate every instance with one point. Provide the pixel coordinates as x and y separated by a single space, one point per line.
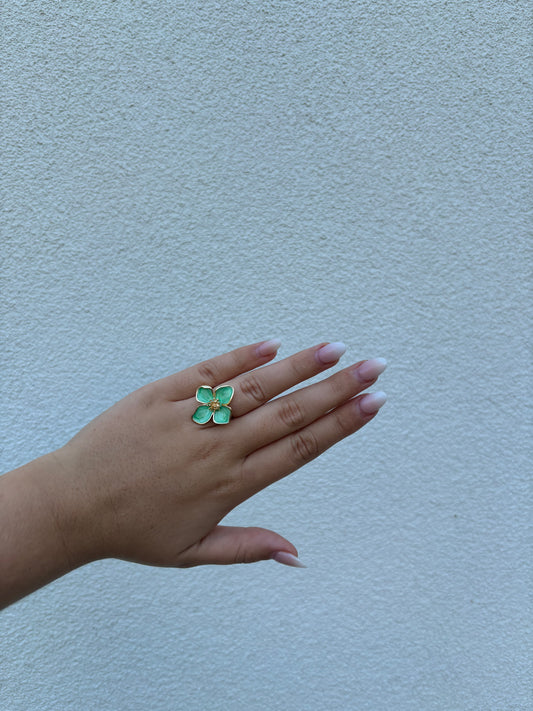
34 545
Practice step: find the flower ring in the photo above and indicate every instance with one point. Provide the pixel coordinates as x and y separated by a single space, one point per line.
214 405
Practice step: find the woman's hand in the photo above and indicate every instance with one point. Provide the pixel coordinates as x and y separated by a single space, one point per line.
152 485
145 483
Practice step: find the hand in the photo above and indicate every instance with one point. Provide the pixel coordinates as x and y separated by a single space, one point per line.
145 483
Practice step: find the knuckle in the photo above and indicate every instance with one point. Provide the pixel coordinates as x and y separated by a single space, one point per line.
300 368
209 448
251 387
207 373
244 552
342 384
230 486
147 395
305 446
248 551
291 414
344 424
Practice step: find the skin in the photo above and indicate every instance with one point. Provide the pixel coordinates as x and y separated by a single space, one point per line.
144 483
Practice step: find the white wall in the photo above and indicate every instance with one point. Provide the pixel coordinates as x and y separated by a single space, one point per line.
180 178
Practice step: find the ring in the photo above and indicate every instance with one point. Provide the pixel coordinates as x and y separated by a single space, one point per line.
214 404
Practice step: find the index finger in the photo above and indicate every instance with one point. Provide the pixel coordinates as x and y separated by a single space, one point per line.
217 370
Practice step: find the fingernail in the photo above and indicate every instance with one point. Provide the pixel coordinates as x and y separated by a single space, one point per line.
269 347
331 353
287 559
370 369
371 403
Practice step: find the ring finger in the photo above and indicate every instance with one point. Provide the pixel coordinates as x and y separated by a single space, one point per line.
296 410
277 460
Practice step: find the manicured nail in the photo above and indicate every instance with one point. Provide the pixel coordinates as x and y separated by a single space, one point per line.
371 403
287 559
331 353
269 347
370 369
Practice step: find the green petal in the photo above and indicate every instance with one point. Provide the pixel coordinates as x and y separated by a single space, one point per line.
224 394
222 416
204 393
202 415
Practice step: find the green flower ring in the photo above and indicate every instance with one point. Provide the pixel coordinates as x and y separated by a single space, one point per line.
214 404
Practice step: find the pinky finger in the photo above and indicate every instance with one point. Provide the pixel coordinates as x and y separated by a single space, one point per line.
281 458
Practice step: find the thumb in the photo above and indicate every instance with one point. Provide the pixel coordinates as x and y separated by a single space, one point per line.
226 545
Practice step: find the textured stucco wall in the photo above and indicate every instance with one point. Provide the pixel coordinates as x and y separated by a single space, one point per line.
179 178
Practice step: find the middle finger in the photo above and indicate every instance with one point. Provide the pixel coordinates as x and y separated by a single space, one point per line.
258 386
294 411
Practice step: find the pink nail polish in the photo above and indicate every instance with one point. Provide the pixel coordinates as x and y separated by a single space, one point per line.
269 347
370 369
371 402
287 559
331 353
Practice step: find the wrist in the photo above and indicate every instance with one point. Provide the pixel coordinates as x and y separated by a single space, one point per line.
71 509
42 526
